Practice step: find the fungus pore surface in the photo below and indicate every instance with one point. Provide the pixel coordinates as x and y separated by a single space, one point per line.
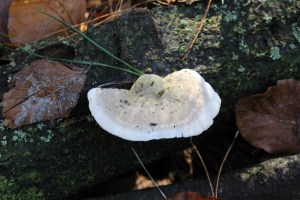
180 105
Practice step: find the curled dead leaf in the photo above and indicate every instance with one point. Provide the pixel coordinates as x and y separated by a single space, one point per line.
271 121
44 90
191 196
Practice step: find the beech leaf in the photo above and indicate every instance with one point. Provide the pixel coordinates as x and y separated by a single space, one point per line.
26 25
44 90
271 121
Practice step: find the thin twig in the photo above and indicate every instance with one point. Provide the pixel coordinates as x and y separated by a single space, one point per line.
205 169
199 30
149 174
224 159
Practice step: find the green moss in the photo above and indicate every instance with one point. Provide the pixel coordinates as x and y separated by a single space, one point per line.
33 194
65 183
29 129
65 124
263 171
211 34
9 190
30 177
89 118
6 185
180 28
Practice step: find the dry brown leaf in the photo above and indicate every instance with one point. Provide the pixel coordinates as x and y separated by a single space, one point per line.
26 25
271 121
191 196
4 7
42 91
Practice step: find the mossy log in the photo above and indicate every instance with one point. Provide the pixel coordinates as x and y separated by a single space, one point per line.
273 179
243 49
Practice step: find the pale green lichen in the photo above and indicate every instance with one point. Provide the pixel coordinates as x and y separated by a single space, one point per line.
27 47
260 54
12 63
19 136
230 16
64 41
48 137
296 31
239 29
241 68
275 53
245 176
40 126
267 18
282 44
4 141
9 78
244 47
292 46
234 56
2 128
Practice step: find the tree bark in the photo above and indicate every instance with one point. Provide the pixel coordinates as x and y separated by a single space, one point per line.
243 50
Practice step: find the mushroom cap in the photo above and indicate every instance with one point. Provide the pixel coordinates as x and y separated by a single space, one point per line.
180 105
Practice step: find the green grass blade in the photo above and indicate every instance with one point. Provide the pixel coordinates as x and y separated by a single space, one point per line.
83 62
92 42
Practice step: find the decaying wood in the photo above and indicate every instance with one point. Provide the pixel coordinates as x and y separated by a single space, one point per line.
269 180
242 50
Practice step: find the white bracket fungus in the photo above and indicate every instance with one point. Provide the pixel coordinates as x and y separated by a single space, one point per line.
180 105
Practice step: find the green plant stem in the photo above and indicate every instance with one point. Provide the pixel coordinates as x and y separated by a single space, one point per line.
93 42
84 62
